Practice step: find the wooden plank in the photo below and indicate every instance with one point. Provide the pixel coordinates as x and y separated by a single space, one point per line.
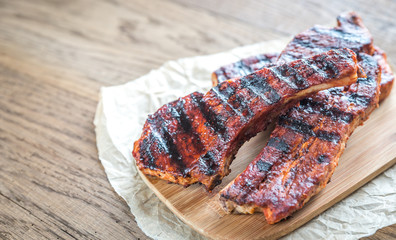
384 233
18 221
297 16
51 171
117 42
371 150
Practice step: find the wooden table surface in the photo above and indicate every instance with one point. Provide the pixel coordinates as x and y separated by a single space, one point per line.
54 57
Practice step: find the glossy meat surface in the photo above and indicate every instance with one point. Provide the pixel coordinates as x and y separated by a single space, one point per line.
195 138
303 150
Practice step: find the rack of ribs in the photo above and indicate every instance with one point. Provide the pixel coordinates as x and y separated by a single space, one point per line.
250 64
303 150
195 138
304 163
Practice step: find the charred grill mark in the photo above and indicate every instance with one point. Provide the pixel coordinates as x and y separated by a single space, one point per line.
333 112
156 136
351 40
323 159
173 151
207 164
327 67
337 114
263 166
224 97
307 129
160 134
359 99
212 119
280 73
242 68
304 42
362 81
366 81
178 113
336 91
296 125
279 144
309 69
241 103
328 136
145 154
267 60
332 68
260 87
185 122
246 66
290 76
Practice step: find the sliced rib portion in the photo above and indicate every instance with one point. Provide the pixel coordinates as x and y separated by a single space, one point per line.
303 150
195 138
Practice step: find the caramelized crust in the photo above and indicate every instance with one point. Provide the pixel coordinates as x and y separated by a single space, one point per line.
303 150
195 138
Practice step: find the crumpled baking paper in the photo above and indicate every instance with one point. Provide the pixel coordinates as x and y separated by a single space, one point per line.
119 119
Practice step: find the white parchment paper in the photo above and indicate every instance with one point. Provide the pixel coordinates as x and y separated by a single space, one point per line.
119 119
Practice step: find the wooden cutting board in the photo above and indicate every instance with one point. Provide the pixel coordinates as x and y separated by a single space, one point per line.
370 150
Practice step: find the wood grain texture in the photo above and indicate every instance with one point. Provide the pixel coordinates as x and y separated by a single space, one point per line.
54 57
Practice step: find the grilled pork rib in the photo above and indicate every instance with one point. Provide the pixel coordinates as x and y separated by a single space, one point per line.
248 65
195 138
303 150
